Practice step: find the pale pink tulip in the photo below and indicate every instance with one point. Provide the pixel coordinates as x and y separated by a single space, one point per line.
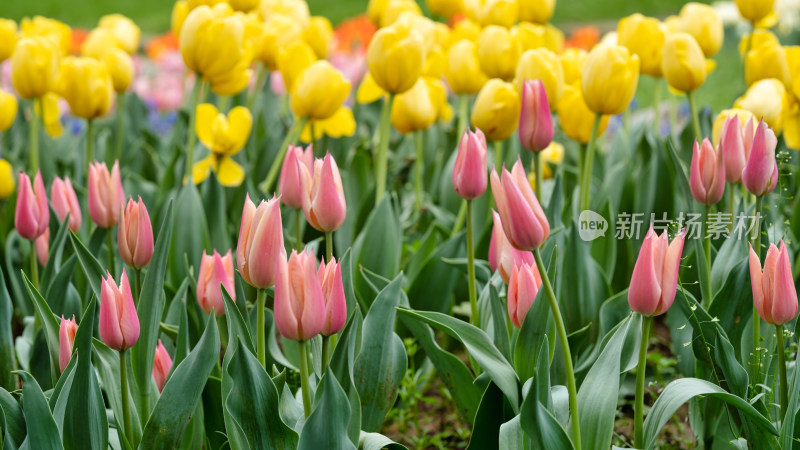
655 276
135 235
330 277
524 221
760 174
535 123
469 171
736 144
502 255
523 286
161 366
299 300
105 194
66 338
64 201
215 270
290 184
323 195
260 242
119 323
774 293
707 175
32 216
42 246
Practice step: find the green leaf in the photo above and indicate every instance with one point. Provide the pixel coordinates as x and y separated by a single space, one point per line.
49 323
511 435
8 361
489 418
42 428
91 266
12 421
107 364
789 427
326 427
56 249
432 288
540 425
237 327
538 323
378 249
342 364
187 240
376 441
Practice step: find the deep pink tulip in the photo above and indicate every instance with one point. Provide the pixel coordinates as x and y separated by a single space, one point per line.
773 288
42 246
299 300
760 174
119 323
64 201
535 123
655 276
323 195
215 270
161 366
32 216
330 278
260 242
290 184
523 286
469 171
66 338
736 143
707 175
135 235
105 194
502 255
524 221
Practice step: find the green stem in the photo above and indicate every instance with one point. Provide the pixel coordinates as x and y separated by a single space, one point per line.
782 370
473 297
565 353
731 206
89 145
298 229
539 170
586 174
420 167
463 114
123 382
304 378
326 351
34 265
656 104
383 149
462 212
314 141
707 293
190 132
260 336
34 129
110 245
291 136
328 245
695 118
498 156
641 368
260 74
756 318
120 126
138 285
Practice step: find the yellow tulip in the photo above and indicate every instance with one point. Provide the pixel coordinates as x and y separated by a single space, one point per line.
179 12
277 32
767 100
791 124
296 9
224 136
498 52
319 36
793 62
395 9
124 30
703 23
293 60
50 114
767 61
756 39
375 10
536 11
444 8
496 110
253 27
575 117
57 31
100 44
435 62
319 91
414 109
395 58
86 85
34 66
755 10
541 64
572 60
465 29
341 123
463 72
8 38
532 36
683 64
6 179
492 12
719 121
210 3
8 110
644 37
609 78
673 24
244 5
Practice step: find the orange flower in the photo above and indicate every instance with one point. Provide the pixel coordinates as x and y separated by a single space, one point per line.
583 37
157 47
354 34
78 36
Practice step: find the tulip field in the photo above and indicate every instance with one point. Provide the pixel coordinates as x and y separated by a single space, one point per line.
439 224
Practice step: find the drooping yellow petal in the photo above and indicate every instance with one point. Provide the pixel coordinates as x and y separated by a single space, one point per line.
229 173
341 123
368 90
205 117
240 122
201 169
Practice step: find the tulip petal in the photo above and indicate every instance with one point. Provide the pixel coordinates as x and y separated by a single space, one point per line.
645 289
229 173
784 305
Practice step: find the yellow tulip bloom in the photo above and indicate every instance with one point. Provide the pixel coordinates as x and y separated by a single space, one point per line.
277 32
463 72
492 12
320 90
224 136
319 36
498 52
50 114
531 36
293 60
395 58
755 10
575 117
572 60
58 32
7 183
34 66
767 61
541 64
86 85
296 9
536 11
643 36
683 64
766 99
179 12
496 110
8 38
703 23
126 33
341 123
609 79
8 110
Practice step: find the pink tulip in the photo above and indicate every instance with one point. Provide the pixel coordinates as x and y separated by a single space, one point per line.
161 366
469 171
655 276
524 221
760 174
215 270
260 242
736 143
119 323
135 235
299 300
330 277
535 123
774 293
502 255
523 286
42 246
707 175
66 338
290 184
105 194
32 216
323 196
64 201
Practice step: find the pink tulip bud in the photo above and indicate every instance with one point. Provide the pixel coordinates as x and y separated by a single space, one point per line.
655 276
523 219
66 338
774 293
215 270
290 184
523 286
105 194
469 171
135 235
707 175
161 366
502 255
299 300
323 200
260 242
736 144
64 201
42 246
535 123
330 277
119 323
32 216
760 174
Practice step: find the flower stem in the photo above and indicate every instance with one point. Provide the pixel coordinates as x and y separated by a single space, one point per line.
656 104
138 285
383 149
291 136
34 130
297 230
110 245
695 118
565 353
463 114
641 368
473 297
462 211
539 170
261 72
732 206
190 133
89 145
123 382
260 337
419 165
586 174
34 265
326 351
304 378
120 126
707 293
498 156
328 245
782 370
756 318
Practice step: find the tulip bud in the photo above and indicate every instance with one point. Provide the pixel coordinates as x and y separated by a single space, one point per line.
463 71
34 66
6 179
755 10
8 109
64 201
299 300
8 38
32 216
319 35
414 109
125 31
760 174
769 60
683 63
492 12
260 242
215 270
469 171
703 23
523 286
774 293
119 323
395 58
498 52
535 124
135 235
323 201
444 8
120 68
523 219
105 194
42 247
290 183
86 85
278 31
609 78
719 121
536 11
736 144
162 364
319 91
503 256
707 175
643 36
496 110
572 61
330 278
66 338
655 276
575 117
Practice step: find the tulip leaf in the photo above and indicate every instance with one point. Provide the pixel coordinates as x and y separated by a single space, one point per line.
237 327
538 323
181 393
342 364
50 324
8 361
12 421
41 426
790 425
377 441
511 435
52 268
488 420
432 288
326 427
60 285
378 249
91 266
188 242
540 425
107 364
